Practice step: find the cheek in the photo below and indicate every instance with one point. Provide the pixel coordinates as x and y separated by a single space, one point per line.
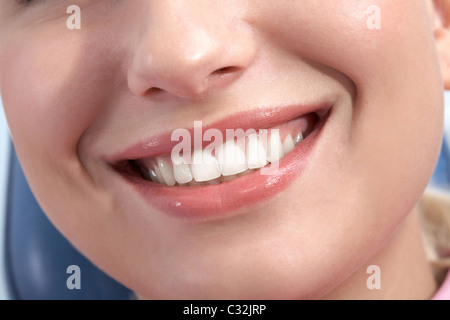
340 35
396 124
395 121
52 92
54 85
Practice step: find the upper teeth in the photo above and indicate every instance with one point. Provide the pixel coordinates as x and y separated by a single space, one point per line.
204 166
232 159
229 161
256 154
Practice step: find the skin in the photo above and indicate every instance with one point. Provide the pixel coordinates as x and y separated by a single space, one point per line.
138 67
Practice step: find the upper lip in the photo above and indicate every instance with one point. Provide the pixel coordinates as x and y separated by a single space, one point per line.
257 119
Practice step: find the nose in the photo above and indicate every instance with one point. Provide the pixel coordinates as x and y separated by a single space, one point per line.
186 49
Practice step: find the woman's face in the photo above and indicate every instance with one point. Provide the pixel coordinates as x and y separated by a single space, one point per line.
86 107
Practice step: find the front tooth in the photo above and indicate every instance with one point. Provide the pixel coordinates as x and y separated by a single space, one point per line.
159 176
256 153
231 158
274 147
204 166
167 172
298 139
288 144
182 172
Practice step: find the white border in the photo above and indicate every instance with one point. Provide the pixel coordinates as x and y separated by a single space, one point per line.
4 162
447 115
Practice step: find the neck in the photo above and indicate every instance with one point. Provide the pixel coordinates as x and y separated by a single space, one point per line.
404 270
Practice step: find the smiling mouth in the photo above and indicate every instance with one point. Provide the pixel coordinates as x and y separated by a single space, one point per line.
232 178
229 160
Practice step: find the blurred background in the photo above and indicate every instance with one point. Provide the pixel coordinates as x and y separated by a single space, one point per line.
34 256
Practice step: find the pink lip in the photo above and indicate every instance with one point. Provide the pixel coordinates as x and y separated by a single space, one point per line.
215 201
256 119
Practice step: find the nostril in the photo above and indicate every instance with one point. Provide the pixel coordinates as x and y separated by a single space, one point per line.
224 71
153 91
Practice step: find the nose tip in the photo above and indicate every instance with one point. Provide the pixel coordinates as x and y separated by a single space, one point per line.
184 76
189 61
187 81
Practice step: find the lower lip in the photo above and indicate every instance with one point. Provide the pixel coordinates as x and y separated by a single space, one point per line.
221 200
